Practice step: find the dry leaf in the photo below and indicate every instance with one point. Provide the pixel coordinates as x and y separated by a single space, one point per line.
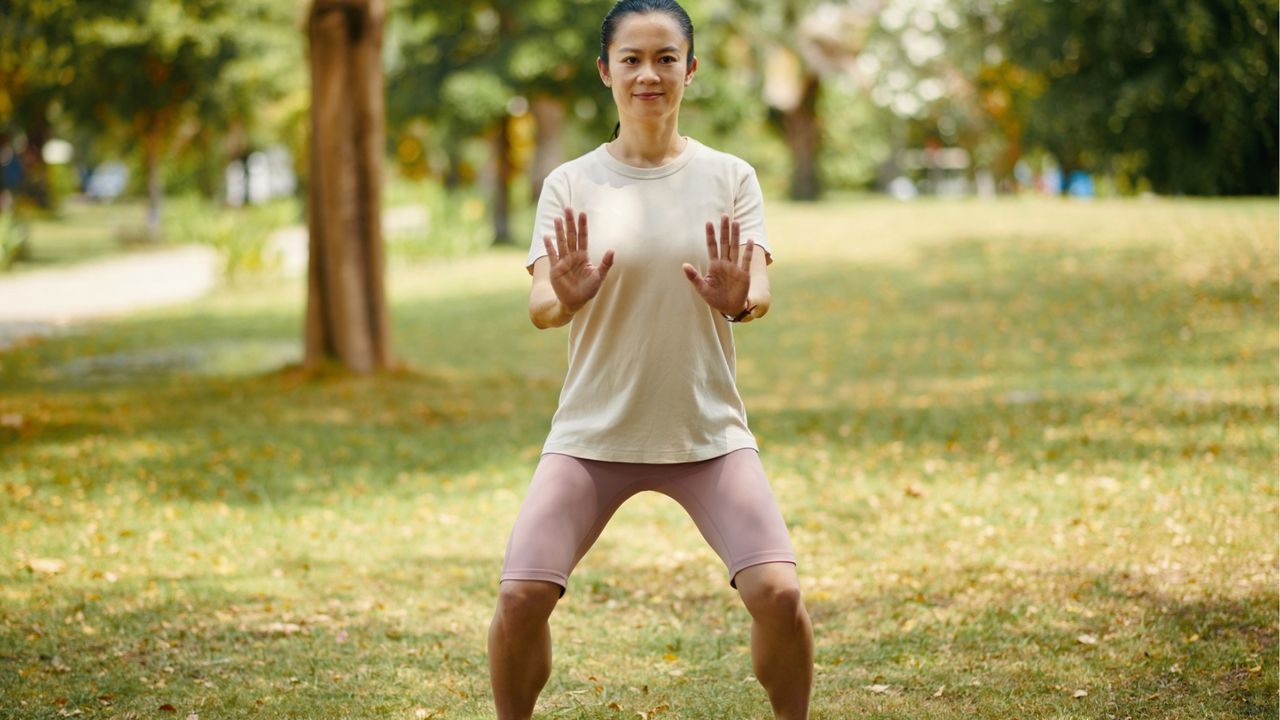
878 689
938 692
1080 693
168 708
46 566
1087 640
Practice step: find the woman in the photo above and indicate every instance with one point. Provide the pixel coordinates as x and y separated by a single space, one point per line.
649 287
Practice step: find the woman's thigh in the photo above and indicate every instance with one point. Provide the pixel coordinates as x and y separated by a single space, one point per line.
567 506
730 501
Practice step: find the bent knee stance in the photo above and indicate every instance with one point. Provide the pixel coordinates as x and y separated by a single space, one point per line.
774 601
525 602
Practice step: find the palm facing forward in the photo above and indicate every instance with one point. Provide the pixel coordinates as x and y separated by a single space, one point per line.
573 277
728 277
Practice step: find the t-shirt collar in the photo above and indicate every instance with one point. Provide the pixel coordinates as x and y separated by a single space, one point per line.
631 171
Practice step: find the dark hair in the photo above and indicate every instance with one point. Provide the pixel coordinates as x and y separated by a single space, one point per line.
623 8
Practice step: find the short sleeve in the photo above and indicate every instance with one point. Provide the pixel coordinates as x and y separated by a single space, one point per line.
748 211
552 201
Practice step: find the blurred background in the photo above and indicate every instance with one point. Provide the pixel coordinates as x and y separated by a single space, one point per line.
128 123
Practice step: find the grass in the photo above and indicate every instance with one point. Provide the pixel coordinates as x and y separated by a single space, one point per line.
82 230
1027 451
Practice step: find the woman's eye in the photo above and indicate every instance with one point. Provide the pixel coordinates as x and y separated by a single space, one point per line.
668 59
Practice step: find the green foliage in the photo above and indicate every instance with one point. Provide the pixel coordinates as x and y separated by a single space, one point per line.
14 236
456 223
1183 90
240 235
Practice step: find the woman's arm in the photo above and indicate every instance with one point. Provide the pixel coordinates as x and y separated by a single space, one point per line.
545 309
565 280
758 296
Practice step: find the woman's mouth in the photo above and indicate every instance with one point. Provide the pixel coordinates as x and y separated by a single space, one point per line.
647 96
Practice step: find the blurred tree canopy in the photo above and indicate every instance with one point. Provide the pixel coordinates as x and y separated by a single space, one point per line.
1178 96
1181 92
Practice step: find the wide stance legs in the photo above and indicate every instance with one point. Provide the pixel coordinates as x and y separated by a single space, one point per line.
781 641
520 645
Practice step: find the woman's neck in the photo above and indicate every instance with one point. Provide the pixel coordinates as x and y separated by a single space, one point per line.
648 145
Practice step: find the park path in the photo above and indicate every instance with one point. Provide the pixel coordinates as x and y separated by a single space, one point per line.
47 302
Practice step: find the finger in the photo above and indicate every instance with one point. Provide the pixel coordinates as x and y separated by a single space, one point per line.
724 237
605 263
551 249
561 243
582 232
694 276
746 255
570 230
711 240
734 249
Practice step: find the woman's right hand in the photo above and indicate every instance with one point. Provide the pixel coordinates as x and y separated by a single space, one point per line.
573 277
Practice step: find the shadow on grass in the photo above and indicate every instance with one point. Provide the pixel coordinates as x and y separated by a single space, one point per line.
351 650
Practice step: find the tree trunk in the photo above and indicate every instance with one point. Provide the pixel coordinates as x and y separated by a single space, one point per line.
803 137
34 168
502 183
548 153
346 304
155 187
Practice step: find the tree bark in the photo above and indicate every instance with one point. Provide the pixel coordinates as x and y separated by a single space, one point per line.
502 183
37 173
804 136
548 153
155 187
346 305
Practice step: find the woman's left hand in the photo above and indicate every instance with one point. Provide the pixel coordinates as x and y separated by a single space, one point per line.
728 279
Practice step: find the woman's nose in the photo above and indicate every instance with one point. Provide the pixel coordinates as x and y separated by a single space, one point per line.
647 75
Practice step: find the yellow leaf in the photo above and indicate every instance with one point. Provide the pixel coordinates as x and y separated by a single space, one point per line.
46 566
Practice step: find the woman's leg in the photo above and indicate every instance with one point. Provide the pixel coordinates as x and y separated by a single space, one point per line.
781 636
730 501
567 505
520 645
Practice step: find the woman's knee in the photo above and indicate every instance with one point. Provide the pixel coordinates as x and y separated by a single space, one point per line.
526 601
770 594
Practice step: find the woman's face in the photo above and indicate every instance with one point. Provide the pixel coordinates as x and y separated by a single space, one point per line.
647 71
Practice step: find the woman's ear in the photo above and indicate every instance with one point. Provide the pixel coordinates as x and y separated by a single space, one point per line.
693 67
603 67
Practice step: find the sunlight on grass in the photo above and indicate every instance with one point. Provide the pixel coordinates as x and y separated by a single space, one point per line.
1026 450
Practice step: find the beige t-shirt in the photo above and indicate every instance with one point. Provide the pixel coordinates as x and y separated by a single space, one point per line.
651 375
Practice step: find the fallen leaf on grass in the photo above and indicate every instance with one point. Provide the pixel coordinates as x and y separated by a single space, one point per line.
938 692
1080 694
46 566
168 708
280 628
1087 640
878 689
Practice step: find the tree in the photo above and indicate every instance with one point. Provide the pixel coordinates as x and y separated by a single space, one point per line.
799 43
1182 92
475 67
346 304
37 64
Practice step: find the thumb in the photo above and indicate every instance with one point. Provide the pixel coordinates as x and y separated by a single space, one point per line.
694 276
605 263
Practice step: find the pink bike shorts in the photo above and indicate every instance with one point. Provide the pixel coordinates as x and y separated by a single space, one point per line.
571 499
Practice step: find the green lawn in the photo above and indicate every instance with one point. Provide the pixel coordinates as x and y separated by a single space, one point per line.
1027 450
83 230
